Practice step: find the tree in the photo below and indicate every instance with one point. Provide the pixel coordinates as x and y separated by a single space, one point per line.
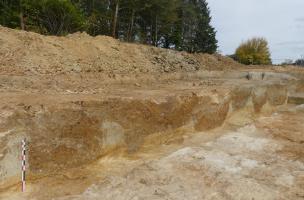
197 33
300 62
31 13
10 12
169 31
177 24
254 52
205 40
59 17
128 19
115 18
133 8
55 17
157 20
98 15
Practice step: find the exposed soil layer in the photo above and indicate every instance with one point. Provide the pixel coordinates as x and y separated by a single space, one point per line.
72 130
261 160
99 114
251 162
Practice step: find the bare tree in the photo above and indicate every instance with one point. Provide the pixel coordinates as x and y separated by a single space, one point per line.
115 19
21 15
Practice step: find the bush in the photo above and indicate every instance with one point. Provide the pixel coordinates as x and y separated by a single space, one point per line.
287 62
300 62
253 52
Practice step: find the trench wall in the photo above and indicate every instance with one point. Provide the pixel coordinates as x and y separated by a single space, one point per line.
75 133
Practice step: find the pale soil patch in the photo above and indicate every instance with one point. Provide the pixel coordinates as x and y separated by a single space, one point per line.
251 162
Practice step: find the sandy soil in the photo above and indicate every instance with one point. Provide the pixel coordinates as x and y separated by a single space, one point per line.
112 120
262 160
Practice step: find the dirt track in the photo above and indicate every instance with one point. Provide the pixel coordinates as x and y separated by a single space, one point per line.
145 123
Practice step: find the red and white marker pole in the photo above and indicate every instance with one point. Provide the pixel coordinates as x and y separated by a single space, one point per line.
23 164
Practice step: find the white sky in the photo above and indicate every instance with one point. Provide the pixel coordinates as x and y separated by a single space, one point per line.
281 22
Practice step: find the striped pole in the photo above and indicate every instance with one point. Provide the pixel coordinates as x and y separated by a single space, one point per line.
23 159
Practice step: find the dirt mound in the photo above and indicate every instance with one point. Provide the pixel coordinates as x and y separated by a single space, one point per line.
218 62
93 106
25 52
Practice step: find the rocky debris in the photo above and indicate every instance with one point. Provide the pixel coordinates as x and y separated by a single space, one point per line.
26 52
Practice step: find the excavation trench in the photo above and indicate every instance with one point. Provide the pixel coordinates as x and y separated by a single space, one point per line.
73 133
172 125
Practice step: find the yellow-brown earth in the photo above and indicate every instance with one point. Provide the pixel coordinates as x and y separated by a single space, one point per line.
112 120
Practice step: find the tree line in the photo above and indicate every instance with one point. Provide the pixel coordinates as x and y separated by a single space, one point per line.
177 24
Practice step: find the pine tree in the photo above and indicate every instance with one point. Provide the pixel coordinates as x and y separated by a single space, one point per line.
205 36
10 13
197 33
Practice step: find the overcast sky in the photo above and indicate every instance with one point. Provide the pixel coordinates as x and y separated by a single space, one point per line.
281 22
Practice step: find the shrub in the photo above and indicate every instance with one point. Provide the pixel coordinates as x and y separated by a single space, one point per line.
254 52
300 62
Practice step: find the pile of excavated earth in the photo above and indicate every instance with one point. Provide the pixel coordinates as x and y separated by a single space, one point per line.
110 120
